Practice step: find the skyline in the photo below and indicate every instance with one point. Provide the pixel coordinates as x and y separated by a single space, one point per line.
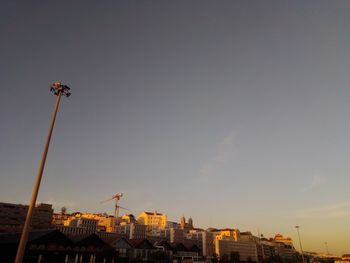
229 112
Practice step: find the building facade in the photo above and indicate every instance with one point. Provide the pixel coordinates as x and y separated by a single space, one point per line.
12 217
246 250
154 221
132 231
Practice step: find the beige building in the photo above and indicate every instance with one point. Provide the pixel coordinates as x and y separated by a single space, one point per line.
154 221
12 217
247 250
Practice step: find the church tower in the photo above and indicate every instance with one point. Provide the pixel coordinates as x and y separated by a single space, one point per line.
183 222
190 223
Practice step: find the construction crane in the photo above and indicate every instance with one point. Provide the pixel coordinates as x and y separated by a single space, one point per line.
116 197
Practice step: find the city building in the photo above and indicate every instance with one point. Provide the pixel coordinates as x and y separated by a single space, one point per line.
154 221
105 223
128 219
227 233
89 224
170 224
204 240
173 235
132 231
12 217
246 250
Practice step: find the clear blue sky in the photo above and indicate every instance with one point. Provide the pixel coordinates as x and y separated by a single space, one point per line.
233 112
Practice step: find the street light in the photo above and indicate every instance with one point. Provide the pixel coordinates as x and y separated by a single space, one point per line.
301 248
58 89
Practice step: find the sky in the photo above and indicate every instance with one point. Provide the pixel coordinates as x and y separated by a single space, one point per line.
235 113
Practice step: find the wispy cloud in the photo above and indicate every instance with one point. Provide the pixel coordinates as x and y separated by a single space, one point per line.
338 210
223 152
317 181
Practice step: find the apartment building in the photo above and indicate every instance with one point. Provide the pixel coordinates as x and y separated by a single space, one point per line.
246 249
132 231
12 217
173 235
154 221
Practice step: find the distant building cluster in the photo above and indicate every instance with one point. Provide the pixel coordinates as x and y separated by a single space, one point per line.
149 237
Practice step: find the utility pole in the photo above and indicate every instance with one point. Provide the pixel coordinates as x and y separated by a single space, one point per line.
301 248
58 89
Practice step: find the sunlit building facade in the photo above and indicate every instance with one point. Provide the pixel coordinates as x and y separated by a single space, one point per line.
154 221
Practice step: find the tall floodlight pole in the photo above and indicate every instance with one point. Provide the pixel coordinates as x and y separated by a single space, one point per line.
58 89
301 248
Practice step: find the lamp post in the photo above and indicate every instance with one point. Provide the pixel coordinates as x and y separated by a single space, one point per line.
301 248
58 89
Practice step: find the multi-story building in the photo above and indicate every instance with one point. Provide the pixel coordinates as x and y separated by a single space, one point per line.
227 233
205 241
268 248
132 231
59 218
171 224
12 217
105 223
196 235
154 221
285 251
173 235
246 249
89 224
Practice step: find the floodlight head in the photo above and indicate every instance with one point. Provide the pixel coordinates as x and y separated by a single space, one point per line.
58 88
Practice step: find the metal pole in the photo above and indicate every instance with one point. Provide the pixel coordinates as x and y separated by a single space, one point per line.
25 231
301 248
